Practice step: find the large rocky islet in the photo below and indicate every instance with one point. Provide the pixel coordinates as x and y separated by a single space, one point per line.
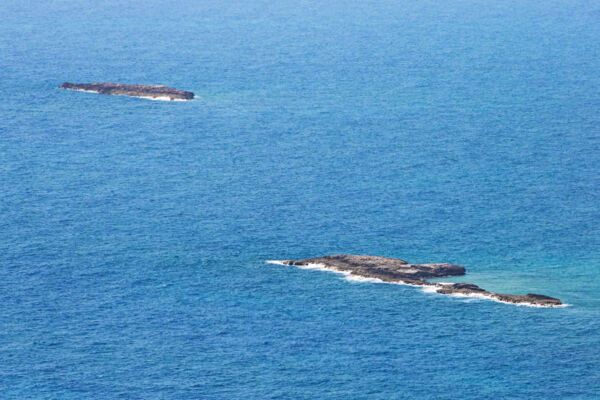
394 270
156 92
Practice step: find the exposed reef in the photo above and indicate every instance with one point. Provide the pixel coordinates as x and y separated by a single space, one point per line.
154 92
393 270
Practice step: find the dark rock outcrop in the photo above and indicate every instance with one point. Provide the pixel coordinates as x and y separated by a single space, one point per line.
386 269
145 91
394 270
469 289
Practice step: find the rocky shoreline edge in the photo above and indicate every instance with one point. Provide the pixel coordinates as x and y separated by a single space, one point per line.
394 270
153 92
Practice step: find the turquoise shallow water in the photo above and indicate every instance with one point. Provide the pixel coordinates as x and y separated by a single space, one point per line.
134 233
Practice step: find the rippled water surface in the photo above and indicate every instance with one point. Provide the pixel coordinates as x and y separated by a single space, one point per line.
134 233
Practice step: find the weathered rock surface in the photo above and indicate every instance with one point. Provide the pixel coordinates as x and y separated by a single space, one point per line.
394 270
386 269
145 91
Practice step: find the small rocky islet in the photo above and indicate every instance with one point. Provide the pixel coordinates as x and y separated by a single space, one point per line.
154 92
394 270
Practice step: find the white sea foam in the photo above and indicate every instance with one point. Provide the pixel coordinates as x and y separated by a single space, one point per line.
317 267
160 98
322 267
432 289
357 278
428 289
83 90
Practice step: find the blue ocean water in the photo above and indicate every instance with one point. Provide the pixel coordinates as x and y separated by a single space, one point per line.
134 233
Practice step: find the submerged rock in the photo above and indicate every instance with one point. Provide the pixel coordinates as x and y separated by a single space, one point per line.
394 270
155 92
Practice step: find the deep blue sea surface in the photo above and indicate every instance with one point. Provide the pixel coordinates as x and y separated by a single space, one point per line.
134 233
